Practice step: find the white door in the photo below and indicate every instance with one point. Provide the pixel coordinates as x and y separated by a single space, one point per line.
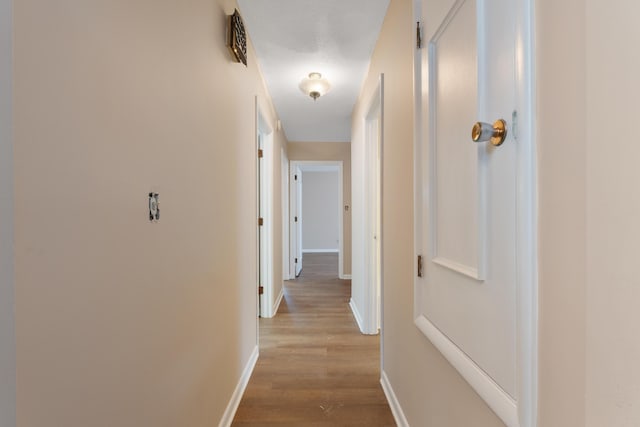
296 220
471 219
286 273
262 238
373 135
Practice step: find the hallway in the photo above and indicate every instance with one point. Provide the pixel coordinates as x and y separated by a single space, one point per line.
315 367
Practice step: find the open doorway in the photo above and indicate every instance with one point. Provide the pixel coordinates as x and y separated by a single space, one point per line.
316 220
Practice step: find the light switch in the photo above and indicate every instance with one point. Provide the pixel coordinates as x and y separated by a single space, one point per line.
154 207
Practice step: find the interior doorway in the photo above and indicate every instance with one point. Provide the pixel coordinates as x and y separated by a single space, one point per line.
320 236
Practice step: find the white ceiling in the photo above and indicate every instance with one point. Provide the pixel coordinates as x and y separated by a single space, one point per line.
295 37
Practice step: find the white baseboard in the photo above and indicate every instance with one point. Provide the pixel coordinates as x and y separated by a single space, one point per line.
276 306
320 251
230 412
396 409
345 277
356 314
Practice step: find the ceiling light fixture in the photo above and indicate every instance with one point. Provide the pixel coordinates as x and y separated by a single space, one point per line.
314 85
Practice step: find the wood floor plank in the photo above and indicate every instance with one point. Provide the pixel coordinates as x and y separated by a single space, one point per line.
315 367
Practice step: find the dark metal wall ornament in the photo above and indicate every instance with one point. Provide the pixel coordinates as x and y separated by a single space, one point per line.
237 38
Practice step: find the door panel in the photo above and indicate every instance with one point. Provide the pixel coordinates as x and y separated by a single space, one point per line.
475 312
455 163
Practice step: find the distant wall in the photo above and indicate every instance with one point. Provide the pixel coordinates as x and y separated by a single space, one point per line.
320 210
331 151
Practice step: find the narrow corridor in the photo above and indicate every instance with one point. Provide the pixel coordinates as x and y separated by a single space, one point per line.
315 368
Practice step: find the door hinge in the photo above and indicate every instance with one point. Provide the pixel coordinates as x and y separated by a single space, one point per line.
260 153
296 261
296 219
260 290
419 265
260 222
295 177
418 36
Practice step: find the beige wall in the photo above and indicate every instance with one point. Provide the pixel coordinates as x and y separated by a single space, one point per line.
589 232
561 137
613 214
334 151
587 95
7 316
121 321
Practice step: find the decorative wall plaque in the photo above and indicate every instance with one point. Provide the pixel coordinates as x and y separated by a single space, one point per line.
237 38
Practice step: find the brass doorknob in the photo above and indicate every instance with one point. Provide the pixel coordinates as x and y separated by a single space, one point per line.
485 132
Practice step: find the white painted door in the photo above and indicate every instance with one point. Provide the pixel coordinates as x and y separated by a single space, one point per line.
286 254
262 240
467 300
296 220
373 137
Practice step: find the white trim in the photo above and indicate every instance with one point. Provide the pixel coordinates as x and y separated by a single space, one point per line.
458 268
276 304
236 397
371 226
321 251
499 400
527 225
257 215
394 404
345 277
356 315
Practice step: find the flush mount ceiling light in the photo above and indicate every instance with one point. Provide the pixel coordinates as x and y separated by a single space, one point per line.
314 85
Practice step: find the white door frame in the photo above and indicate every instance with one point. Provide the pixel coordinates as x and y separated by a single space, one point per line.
295 221
371 316
523 411
294 164
264 177
285 215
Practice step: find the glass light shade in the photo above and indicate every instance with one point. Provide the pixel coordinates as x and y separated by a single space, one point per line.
314 85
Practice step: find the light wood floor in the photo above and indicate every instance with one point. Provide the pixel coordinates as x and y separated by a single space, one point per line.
315 368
